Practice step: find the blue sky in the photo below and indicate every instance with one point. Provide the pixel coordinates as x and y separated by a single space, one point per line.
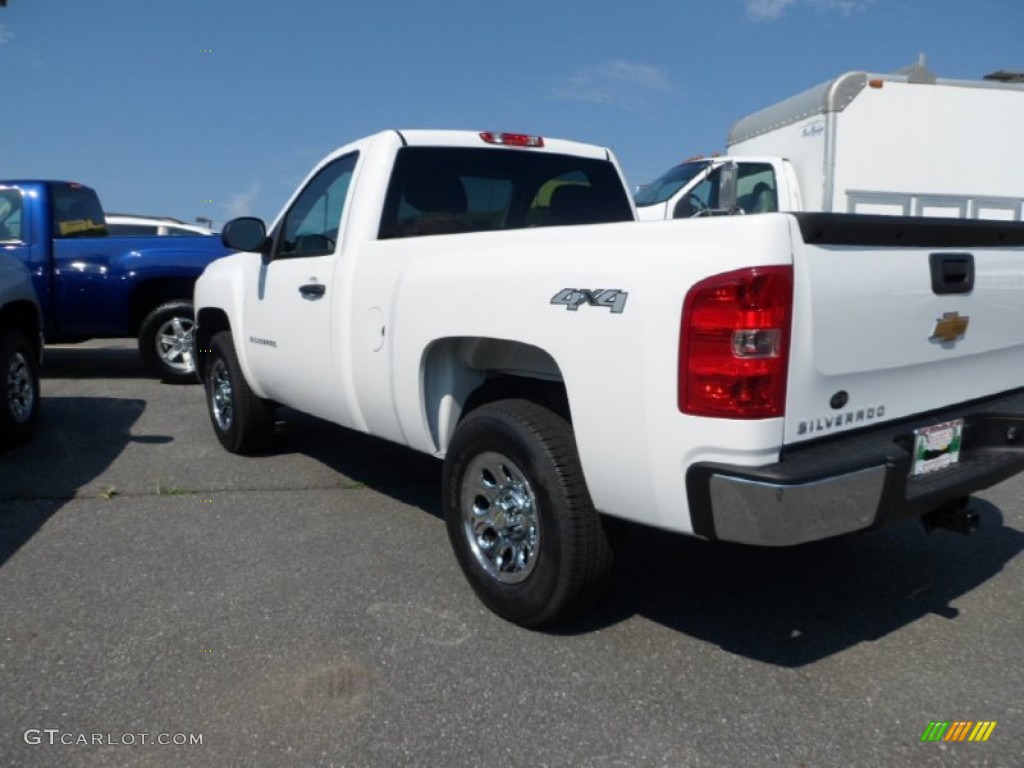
213 108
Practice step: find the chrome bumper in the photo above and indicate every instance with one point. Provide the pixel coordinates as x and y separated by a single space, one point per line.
751 512
852 482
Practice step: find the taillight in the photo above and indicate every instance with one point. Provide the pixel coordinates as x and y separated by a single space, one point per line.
734 344
512 139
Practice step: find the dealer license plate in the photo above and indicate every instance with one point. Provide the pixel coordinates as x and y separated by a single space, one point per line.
937 447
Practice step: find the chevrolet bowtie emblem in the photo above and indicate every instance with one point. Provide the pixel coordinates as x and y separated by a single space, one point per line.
950 327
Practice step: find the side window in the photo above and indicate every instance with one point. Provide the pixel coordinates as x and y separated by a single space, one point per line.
705 194
77 212
10 215
703 197
755 188
310 228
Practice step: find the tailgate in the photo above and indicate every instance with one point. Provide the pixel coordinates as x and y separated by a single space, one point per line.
895 317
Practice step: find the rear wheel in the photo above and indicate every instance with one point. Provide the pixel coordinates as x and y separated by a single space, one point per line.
19 401
165 341
519 516
242 421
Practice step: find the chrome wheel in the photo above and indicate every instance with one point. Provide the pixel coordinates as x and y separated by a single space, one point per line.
174 344
21 393
518 514
499 511
221 400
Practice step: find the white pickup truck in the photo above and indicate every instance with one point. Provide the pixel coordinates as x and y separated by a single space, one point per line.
769 379
904 144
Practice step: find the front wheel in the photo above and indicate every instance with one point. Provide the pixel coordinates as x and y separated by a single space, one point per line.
165 341
519 516
19 398
242 421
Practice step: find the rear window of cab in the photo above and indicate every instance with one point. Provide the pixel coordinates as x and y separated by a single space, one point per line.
77 212
448 190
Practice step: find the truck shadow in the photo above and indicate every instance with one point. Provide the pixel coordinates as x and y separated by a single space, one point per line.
77 439
73 361
403 474
795 606
789 607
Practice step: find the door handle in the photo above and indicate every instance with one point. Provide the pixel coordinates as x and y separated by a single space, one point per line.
313 291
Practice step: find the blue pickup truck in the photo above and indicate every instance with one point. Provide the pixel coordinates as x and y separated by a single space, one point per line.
94 285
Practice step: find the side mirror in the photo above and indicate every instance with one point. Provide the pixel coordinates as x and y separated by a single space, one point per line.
245 234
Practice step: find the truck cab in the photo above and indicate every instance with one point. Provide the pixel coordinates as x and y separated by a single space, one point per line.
710 186
899 144
91 284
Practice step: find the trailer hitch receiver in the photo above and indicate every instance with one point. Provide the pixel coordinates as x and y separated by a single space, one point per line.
952 516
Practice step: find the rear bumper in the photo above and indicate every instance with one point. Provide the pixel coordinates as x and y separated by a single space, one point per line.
844 484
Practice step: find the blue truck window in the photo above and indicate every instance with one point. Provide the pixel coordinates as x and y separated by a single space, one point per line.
10 215
77 212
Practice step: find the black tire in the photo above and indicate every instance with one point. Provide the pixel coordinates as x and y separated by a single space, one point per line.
19 386
519 515
165 342
242 421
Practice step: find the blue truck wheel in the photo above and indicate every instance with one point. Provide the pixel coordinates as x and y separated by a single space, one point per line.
165 342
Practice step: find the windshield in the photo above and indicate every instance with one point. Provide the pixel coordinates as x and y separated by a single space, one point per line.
666 185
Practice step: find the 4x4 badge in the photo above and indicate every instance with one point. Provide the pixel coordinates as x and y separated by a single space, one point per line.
950 327
573 298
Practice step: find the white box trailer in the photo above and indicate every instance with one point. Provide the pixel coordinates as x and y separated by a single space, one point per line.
907 143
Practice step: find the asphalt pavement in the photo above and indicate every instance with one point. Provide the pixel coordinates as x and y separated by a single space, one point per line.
165 603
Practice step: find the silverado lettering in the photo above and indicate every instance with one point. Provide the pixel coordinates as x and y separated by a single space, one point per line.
824 423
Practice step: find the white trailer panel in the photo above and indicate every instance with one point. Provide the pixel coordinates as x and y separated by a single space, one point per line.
905 144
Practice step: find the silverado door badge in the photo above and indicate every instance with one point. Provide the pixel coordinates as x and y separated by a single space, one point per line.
950 327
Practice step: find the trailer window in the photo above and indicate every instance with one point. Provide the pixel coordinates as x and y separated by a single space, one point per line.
447 190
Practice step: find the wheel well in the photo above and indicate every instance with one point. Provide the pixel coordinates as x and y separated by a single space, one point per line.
209 322
149 295
23 316
550 394
462 374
